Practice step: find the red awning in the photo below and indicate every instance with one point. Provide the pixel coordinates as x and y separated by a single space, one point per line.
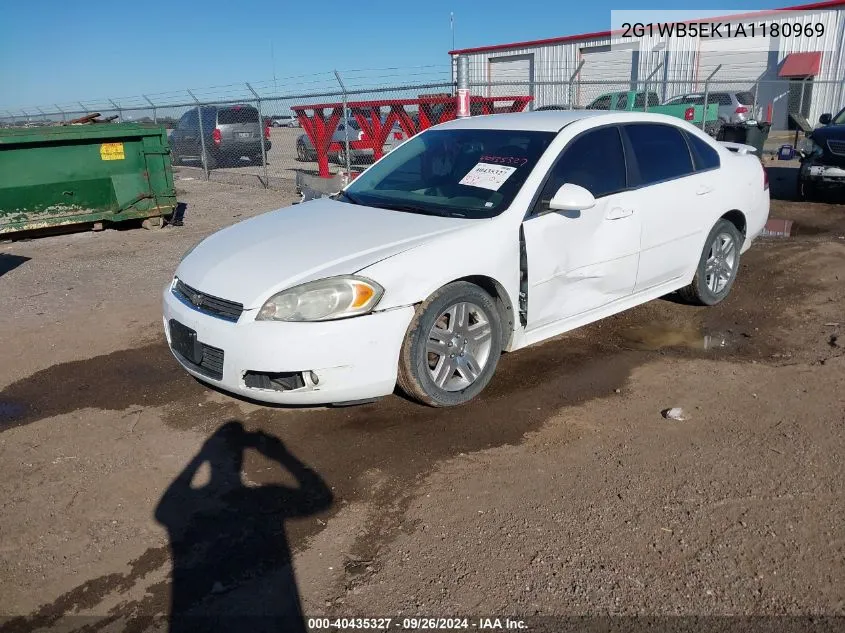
801 65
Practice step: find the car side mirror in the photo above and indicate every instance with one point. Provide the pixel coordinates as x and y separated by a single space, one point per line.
826 118
572 198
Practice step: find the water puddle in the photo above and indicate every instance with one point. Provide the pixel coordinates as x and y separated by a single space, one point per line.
657 336
11 411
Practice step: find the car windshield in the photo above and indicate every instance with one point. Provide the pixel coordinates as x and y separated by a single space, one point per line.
460 173
840 118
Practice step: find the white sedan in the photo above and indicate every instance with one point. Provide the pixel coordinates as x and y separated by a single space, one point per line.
478 236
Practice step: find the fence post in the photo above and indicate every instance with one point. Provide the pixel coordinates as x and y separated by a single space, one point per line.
573 77
116 106
62 112
203 156
345 124
261 128
84 107
155 110
801 98
645 88
706 95
25 115
43 116
756 99
463 104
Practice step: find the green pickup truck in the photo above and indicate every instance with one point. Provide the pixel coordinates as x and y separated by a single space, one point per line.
632 101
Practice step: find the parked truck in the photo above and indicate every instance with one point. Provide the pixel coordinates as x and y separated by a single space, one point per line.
632 101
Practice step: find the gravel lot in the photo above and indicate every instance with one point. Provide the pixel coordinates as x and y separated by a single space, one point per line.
561 491
282 164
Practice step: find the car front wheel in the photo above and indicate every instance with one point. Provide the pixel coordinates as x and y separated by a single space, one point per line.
452 346
717 267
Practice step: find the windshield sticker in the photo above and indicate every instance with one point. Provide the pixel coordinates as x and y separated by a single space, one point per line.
504 160
487 176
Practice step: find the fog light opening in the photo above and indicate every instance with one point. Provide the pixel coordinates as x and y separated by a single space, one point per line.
283 381
311 378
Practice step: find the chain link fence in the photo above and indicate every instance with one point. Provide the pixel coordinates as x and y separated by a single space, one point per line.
252 138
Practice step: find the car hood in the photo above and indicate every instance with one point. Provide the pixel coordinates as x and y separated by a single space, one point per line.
829 132
249 261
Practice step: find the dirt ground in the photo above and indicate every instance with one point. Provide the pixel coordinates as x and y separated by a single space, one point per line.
130 493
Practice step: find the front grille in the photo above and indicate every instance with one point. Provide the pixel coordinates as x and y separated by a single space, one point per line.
214 306
836 147
211 364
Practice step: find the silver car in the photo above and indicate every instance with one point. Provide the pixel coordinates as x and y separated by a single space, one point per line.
231 134
350 129
734 106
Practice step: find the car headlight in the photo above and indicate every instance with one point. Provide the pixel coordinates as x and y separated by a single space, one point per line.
322 300
810 147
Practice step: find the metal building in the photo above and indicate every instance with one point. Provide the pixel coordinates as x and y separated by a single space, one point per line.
798 74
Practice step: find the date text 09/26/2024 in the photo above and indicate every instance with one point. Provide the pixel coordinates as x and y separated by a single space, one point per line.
416 624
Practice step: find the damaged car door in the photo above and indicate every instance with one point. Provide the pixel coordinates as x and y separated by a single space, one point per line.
578 261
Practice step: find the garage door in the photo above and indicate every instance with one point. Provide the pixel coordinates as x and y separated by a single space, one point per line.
515 68
741 58
604 71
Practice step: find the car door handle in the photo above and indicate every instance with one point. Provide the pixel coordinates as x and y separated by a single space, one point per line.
617 213
703 190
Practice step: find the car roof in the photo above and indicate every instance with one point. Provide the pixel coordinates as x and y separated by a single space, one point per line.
553 120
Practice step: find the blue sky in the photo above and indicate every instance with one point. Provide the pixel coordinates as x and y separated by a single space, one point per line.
62 51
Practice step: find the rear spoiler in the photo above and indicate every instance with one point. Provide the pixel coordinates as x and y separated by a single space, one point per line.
740 148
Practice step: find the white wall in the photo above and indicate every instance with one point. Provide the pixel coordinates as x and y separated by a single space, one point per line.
555 63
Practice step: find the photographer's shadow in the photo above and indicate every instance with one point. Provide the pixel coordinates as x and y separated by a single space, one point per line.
231 559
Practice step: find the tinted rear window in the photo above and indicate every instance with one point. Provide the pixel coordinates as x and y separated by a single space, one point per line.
660 150
745 98
704 156
639 102
244 114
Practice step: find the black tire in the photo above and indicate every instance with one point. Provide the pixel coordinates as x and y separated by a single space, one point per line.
175 159
211 161
301 154
700 292
415 359
341 157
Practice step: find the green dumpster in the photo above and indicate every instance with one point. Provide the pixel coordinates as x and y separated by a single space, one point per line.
63 175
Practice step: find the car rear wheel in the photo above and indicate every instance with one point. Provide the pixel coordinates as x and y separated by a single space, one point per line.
341 156
301 154
717 267
452 346
211 161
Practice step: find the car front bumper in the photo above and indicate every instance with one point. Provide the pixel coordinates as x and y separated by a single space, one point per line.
353 359
827 174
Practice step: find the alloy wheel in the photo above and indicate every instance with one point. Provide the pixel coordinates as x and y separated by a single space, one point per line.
721 263
458 346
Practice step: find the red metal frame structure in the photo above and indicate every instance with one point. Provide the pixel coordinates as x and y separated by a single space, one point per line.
321 120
